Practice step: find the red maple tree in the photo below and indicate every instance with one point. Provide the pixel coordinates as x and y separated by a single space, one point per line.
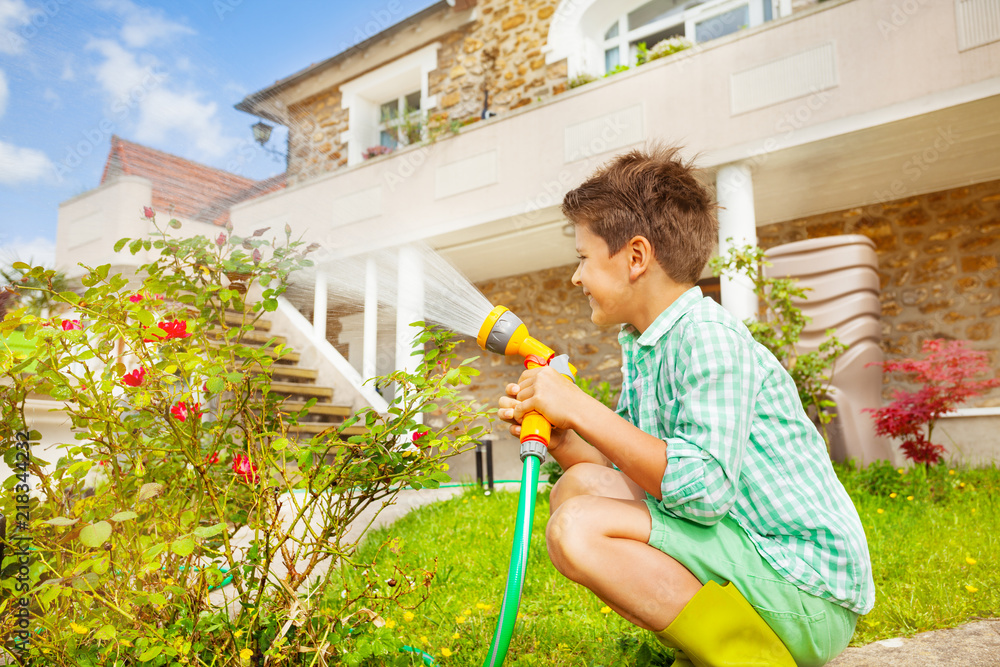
946 375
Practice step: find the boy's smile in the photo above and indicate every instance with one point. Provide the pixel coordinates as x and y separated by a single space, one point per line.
605 280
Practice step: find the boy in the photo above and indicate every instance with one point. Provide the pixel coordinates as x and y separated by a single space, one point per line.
705 509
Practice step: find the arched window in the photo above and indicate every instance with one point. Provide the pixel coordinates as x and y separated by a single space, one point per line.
599 35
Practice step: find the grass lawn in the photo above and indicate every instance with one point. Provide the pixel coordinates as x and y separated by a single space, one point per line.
934 539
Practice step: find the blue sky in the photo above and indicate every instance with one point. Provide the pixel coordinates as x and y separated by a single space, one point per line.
163 74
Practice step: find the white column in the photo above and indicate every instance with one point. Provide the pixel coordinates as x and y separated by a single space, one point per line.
409 305
737 226
319 305
370 332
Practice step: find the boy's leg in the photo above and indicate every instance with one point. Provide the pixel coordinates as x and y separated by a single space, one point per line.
597 536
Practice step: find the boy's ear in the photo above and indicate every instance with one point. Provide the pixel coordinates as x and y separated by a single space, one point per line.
640 256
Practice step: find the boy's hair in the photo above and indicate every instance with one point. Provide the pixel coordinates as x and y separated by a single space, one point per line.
652 193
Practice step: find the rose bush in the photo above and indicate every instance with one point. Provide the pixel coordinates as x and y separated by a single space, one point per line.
185 526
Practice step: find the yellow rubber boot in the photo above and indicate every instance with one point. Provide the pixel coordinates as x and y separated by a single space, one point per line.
719 628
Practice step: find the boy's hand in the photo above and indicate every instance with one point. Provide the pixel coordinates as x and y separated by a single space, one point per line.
508 412
545 390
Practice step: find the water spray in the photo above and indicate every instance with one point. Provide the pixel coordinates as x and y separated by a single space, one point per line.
504 333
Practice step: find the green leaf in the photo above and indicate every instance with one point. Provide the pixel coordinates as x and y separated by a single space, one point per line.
135 246
150 653
153 551
279 444
235 377
95 534
216 384
70 297
61 521
120 244
20 266
174 223
124 516
270 305
148 490
107 632
209 531
183 546
145 317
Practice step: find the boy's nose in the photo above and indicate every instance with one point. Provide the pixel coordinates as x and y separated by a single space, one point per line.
576 277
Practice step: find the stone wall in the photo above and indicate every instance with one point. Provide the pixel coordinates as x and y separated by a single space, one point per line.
503 52
315 128
939 262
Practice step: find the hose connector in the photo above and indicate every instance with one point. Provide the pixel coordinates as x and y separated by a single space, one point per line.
533 448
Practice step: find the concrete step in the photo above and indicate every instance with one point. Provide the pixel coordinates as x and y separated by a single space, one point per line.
234 319
253 337
301 389
342 411
284 371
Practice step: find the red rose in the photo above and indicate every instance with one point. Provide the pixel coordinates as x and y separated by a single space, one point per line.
212 458
135 298
135 378
221 241
417 435
245 469
180 411
148 212
172 329
70 325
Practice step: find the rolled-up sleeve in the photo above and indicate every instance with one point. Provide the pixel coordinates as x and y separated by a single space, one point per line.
709 424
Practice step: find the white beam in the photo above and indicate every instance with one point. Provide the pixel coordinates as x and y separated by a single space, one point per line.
370 332
737 226
319 305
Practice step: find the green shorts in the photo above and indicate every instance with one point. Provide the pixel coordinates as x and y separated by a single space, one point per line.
814 630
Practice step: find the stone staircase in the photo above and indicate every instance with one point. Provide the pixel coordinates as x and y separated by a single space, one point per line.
295 383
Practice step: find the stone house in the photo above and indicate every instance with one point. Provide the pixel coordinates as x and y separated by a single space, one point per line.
463 126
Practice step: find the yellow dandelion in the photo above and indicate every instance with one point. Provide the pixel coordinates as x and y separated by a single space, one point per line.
456 636
600 639
389 623
480 605
78 629
880 510
973 510
970 560
909 497
465 500
460 619
951 472
446 652
900 471
467 612
892 495
408 616
961 485
246 654
605 610
562 647
238 634
971 589
424 640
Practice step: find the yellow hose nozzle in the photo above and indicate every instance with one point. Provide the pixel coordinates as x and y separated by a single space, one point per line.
503 332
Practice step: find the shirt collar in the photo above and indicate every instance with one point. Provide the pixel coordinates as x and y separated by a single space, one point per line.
664 322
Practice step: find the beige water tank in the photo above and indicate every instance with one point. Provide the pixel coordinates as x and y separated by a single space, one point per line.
840 274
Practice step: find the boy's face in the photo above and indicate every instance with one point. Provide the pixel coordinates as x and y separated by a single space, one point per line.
605 280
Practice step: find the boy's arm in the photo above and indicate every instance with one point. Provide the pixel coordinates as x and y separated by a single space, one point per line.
641 456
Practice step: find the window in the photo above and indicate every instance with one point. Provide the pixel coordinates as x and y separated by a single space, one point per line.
397 126
697 20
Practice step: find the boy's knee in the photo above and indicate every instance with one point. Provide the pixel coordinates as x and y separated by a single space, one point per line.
567 533
583 479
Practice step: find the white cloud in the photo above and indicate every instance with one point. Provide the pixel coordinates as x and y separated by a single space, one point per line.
22 165
4 92
14 14
159 112
37 252
142 26
52 97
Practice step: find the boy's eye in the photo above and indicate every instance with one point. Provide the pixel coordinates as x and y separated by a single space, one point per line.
581 257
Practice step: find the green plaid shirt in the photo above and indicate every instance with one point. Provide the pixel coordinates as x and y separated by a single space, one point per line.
739 443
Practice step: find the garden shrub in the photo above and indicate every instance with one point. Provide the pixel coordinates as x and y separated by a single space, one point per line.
180 448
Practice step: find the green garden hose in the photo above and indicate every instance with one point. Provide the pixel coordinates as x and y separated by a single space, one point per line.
518 562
